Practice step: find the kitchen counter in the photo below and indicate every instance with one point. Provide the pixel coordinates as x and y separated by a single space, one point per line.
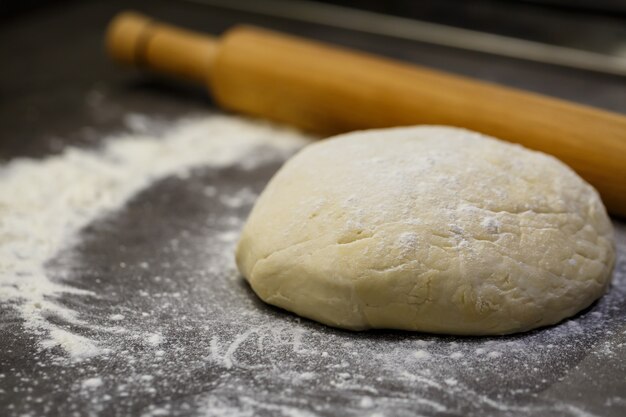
190 338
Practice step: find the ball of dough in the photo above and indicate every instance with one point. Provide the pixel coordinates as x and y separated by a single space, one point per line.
428 228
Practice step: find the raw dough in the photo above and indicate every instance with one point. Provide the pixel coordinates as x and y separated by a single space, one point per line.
428 228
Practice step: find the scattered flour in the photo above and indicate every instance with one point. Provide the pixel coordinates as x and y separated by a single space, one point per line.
493 355
491 224
92 383
366 402
45 203
195 341
154 339
422 355
240 198
78 346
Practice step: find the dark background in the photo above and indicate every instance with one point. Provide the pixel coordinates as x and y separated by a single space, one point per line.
51 57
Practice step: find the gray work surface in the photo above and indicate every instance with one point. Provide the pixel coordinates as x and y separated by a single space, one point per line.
225 352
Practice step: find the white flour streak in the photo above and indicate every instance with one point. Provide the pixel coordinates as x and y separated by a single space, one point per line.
154 339
91 383
79 347
45 203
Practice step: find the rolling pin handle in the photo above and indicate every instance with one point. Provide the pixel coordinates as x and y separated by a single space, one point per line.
136 40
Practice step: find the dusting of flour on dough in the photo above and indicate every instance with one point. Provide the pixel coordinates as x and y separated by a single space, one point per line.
455 233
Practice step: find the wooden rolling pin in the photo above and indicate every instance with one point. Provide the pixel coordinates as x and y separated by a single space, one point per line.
329 90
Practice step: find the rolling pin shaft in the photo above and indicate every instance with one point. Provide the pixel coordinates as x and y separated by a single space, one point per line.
331 90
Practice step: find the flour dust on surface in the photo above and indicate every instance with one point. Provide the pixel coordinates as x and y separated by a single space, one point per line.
119 290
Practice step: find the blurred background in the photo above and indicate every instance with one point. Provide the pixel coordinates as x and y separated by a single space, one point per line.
58 87
594 25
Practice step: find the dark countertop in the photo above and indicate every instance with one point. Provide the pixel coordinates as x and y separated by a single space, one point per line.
57 89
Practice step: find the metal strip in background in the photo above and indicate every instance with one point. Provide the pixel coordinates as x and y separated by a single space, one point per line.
433 33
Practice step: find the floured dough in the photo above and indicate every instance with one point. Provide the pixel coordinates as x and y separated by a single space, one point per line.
433 229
